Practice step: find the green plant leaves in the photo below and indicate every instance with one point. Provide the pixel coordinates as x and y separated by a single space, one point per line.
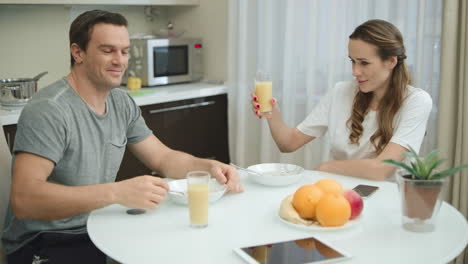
434 165
432 156
447 172
424 169
400 164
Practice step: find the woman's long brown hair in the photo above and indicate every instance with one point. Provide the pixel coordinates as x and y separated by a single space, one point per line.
389 42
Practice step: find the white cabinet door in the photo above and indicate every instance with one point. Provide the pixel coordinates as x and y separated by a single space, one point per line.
103 2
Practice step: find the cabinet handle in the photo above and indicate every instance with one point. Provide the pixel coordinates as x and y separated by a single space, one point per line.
167 109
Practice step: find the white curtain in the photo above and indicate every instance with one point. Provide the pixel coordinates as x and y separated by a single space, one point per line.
303 44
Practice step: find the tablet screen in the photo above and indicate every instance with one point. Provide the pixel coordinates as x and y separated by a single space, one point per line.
307 250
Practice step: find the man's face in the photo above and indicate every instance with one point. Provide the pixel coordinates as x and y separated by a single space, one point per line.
370 71
106 57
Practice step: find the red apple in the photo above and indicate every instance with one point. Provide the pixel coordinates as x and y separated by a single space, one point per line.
355 201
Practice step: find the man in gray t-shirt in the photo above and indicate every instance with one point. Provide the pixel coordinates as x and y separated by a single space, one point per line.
70 142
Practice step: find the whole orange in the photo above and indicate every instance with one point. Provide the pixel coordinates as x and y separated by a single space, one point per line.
329 186
305 200
333 210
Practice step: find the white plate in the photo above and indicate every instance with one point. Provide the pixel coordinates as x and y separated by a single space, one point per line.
317 227
217 190
276 174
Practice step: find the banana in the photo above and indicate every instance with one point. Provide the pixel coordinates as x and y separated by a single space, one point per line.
288 213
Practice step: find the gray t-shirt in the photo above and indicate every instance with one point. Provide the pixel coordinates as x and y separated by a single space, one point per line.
87 148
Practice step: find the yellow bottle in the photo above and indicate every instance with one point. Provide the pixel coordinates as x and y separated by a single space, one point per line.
133 83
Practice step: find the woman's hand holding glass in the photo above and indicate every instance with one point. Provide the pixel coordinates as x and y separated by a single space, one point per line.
256 106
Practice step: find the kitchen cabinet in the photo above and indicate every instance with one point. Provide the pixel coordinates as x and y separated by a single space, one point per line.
102 2
197 126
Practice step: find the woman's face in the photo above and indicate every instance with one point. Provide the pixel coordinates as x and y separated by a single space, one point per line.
371 72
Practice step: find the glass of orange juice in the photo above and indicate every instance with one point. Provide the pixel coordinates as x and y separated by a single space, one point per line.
198 189
263 90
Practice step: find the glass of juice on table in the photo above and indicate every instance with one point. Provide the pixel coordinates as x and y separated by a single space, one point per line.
263 91
198 189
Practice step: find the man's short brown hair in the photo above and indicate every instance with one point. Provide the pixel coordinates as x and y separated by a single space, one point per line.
82 27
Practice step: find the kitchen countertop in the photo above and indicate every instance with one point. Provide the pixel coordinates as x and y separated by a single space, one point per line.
148 96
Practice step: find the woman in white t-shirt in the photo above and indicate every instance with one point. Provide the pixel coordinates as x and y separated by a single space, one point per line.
372 118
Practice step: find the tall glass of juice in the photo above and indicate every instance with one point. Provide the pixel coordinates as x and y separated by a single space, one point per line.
263 90
198 189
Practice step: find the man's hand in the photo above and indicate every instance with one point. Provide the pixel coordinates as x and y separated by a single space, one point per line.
175 164
227 174
145 192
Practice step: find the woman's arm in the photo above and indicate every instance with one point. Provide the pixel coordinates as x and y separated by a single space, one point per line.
286 138
373 169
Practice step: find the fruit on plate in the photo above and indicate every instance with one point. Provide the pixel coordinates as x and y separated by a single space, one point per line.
322 203
305 200
333 210
355 201
288 213
329 186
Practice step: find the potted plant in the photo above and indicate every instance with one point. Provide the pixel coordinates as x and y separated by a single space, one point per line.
422 186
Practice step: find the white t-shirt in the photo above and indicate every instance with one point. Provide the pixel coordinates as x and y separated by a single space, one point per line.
333 111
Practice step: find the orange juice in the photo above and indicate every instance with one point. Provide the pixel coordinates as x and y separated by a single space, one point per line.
263 90
198 204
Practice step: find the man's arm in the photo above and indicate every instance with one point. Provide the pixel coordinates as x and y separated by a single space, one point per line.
33 197
373 169
175 164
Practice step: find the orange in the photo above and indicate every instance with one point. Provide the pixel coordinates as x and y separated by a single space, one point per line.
333 210
307 243
305 200
329 186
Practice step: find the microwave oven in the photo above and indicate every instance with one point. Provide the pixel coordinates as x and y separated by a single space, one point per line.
165 61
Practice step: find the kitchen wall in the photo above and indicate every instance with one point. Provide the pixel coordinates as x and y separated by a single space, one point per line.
209 21
35 37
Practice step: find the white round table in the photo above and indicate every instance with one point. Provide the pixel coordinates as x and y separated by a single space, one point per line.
251 218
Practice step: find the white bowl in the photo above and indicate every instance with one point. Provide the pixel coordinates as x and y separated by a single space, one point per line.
217 190
276 174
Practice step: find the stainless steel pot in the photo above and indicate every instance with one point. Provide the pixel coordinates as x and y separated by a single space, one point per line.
17 92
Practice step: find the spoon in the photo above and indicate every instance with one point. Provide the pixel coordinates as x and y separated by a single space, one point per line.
177 192
245 169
